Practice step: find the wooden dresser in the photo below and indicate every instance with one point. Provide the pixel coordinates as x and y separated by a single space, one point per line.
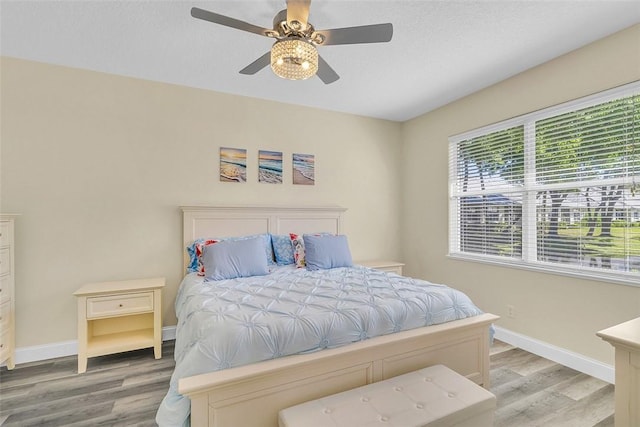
625 338
7 291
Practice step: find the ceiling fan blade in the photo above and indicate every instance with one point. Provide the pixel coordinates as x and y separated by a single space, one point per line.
228 22
325 72
298 10
376 33
258 64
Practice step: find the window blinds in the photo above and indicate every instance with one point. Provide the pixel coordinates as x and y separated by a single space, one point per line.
558 188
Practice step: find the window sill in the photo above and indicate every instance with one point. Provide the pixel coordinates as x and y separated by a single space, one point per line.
581 273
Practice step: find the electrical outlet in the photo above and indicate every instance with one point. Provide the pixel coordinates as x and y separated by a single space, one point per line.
511 311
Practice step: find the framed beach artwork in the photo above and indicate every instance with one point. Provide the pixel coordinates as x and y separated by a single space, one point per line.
270 167
304 166
233 164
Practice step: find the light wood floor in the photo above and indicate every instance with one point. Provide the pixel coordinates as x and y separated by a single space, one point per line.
536 392
126 389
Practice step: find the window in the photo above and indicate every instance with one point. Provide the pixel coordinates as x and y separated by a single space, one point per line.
557 189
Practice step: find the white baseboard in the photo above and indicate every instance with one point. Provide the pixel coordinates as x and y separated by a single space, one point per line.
168 333
559 355
66 348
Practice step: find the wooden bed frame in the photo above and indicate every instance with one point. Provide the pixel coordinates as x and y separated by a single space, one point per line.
252 395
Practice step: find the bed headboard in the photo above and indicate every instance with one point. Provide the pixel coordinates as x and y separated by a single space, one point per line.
225 221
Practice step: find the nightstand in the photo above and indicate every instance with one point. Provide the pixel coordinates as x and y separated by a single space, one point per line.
390 266
114 317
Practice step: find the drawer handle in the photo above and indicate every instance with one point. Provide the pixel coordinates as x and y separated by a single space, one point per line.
120 305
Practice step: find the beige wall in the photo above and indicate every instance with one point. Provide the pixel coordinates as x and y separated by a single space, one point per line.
559 310
98 165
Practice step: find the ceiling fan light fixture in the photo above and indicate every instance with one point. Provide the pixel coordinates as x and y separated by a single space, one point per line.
294 59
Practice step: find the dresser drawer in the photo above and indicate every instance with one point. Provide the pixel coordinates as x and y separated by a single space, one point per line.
5 288
5 313
5 261
117 305
5 237
5 348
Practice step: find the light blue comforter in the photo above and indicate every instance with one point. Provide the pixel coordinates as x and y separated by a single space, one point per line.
240 321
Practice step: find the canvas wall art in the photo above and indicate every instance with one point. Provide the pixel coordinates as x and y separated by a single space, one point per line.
270 167
304 169
233 164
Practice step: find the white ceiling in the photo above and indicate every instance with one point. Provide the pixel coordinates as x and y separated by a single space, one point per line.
441 50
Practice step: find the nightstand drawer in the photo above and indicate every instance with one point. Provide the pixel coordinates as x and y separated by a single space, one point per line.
5 229
117 305
5 312
5 288
5 261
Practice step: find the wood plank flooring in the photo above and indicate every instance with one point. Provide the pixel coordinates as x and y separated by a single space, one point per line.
118 390
126 389
536 392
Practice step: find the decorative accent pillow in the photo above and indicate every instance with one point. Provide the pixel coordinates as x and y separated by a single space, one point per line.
195 261
297 243
234 258
324 252
199 249
282 249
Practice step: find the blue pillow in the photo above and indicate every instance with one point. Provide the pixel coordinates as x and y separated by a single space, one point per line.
282 248
235 258
324 252
193 260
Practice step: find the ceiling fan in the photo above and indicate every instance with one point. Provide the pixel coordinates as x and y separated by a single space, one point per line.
294 55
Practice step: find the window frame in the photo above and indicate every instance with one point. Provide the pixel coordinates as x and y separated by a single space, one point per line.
528 260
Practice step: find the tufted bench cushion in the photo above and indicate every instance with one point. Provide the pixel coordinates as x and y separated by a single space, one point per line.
433 396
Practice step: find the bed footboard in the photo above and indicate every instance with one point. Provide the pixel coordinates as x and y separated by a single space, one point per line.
252 395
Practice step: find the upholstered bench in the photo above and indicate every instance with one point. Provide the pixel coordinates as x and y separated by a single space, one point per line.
434 396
